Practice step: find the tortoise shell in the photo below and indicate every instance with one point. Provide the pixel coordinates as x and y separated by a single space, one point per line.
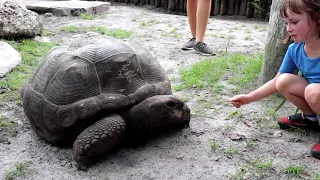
77 81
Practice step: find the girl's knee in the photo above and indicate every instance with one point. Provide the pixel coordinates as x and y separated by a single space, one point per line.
283 81
312 94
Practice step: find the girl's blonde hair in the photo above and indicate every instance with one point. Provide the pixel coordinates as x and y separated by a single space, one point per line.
311 7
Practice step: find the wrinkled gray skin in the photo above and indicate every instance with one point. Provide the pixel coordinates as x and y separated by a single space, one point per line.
96 92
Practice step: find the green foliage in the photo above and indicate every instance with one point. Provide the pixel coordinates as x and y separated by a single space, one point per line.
213 145
7 125
231 151
72 29
18 171
294 170
90 17
207 72
116 33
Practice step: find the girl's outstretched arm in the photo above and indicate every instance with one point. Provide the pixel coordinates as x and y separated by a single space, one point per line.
265 90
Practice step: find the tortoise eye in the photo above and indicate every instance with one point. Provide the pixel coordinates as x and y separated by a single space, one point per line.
171 104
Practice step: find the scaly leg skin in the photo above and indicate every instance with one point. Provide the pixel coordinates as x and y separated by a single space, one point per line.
97 140
150 90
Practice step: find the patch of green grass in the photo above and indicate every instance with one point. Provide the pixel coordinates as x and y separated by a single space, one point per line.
294 170
231 151
243 69
86 16
7 125
250 143
143 24
316 176
18 171
144 13
239 174
48 32
213 145
90 17
228 128
263 165
31 52
73 29
116 33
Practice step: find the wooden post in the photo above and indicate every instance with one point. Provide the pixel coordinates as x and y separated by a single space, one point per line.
224 7
157 3
216 7
243 8
231 7
136 2
249 9
171 5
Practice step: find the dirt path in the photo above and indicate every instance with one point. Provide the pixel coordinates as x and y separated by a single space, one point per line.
185 154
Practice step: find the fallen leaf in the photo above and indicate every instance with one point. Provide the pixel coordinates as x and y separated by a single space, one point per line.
305 176
246 123
236 136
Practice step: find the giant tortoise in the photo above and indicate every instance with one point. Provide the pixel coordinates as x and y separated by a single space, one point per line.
97 92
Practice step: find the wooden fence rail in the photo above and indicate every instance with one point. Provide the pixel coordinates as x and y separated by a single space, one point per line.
246 8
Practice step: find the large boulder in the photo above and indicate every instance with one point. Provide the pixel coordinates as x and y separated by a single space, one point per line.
9 58
18 22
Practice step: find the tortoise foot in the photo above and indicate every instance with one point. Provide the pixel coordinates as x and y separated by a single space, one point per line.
97 140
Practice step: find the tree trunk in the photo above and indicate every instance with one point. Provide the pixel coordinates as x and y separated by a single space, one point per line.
274 49
151 2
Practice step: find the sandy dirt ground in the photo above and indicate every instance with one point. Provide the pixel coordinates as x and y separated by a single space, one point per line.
185 154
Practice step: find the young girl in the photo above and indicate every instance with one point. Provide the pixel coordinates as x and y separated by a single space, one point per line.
302 19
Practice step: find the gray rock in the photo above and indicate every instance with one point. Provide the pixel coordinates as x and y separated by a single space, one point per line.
18 22
9 58
68 8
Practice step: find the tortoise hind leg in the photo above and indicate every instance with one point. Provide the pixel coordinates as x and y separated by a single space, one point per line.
97 140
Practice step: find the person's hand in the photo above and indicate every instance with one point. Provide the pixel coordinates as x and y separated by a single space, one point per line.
240 100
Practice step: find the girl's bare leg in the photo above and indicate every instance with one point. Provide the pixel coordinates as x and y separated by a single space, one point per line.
293 87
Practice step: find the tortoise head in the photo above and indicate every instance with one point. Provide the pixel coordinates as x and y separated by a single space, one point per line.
162 112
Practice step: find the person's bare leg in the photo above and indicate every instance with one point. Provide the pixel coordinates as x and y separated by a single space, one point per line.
203 13
292 87
312 96
192 15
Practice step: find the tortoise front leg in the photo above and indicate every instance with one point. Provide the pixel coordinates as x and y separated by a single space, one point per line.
98 139
149 90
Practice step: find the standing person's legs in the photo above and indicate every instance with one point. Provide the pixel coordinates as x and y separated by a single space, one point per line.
198 16
192 18
192 15
202 18
203 14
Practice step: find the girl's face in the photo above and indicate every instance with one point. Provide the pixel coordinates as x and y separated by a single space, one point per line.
300 27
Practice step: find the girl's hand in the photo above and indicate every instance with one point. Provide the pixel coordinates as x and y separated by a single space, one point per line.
240 100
